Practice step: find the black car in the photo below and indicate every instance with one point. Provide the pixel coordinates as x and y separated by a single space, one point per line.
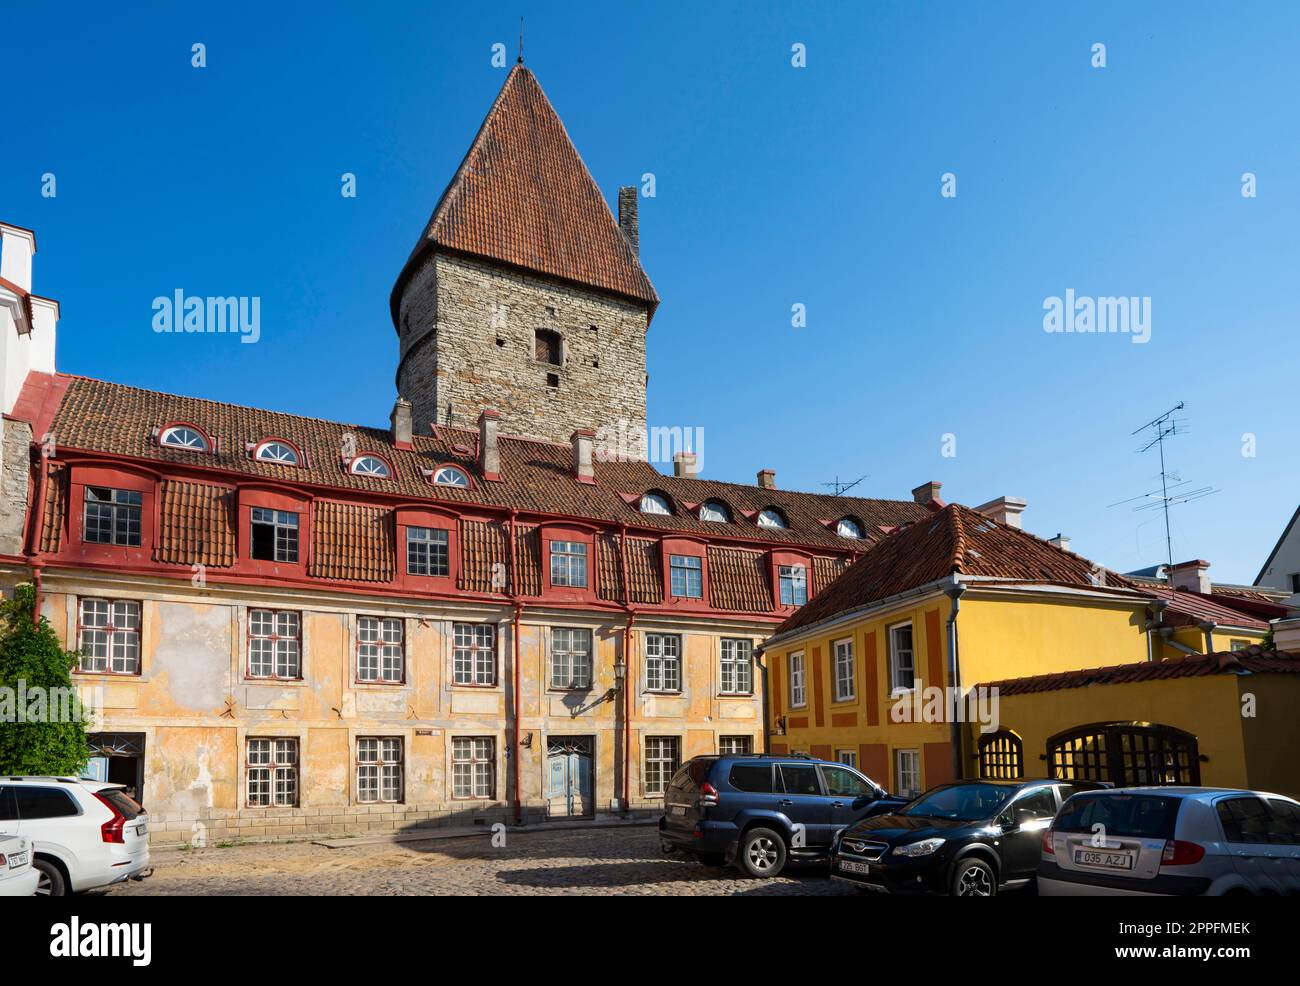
759 811
969 839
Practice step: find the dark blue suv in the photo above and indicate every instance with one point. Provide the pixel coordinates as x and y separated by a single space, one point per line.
759 811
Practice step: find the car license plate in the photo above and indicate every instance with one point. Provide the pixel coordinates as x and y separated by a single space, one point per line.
142 829
677 809
1109 860
17 859
852 866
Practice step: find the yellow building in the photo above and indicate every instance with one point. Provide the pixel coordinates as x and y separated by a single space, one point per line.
878 669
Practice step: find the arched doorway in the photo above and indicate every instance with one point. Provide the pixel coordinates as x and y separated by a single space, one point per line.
1125 754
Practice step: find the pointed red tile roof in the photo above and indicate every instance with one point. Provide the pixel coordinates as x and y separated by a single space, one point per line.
523 196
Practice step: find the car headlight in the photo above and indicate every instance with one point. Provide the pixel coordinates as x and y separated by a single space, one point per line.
923 848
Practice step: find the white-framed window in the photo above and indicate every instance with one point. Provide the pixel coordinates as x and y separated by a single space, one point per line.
663 662
655 503
272 772
847 527
902 658
737 666
474 659
280 453
907 773
1236 645
273 535
845 683
735 744
369 465
379 769
184 437
715 512
771 517
473 767
794 584
663 757
569 564
427 552
847 757
112 516
109 636
570 658
274 644
380 650
686 576
798 685
451 476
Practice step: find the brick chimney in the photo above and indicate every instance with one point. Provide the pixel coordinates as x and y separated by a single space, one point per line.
400 420
627 216
927 493
1191 575
685 465
489 456
1006 510
1061 541
583 441
767 479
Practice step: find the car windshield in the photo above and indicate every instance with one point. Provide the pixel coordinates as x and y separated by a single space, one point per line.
962 802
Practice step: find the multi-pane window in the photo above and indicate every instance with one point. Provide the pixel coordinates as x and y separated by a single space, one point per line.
272 773
902 660
663 755
737 666
274 644
847 757
379 649
844 683
475 655
110 636
663 662
907 772
794 584
569 564
570 658
473 767
274 535
686 576
112 516
798 687
426 552
735 744
379 769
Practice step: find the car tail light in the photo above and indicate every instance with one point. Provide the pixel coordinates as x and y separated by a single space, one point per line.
111 830
708 794
1048 848
1179 853
3 859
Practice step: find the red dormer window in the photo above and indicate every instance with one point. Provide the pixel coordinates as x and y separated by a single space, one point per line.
278 452
368 464
190 438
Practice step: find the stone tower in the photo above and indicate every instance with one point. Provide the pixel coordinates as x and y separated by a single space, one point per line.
525 294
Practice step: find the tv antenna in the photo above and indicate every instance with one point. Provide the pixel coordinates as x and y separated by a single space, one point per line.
1173 488
839 488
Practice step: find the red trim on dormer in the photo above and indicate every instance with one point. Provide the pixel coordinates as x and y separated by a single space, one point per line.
576 532
142 481
687 546
271 499
469 474
257 445
162 430
778 557
437 518
392 469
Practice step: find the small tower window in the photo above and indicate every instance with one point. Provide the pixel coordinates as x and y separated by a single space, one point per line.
549 347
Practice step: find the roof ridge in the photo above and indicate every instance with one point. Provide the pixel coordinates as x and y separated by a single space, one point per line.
959 539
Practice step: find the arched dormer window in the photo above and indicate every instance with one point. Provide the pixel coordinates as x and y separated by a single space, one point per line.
772 517
370 465
451 476
185 437
715 512
655 503
278 452
849 527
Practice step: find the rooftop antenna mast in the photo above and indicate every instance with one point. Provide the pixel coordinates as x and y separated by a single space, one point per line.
839 488
520 59
1172 486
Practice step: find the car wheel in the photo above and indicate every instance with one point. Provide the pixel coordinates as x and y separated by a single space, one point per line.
711 858
761 853
51 882
974 878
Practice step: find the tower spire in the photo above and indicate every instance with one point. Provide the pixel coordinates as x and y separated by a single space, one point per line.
520 59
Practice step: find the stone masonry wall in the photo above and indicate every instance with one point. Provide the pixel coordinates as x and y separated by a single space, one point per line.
468 343
14 472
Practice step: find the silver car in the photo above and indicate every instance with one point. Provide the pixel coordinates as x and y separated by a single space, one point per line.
1172 841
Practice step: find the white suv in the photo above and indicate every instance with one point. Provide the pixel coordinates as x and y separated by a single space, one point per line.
17 877
84 834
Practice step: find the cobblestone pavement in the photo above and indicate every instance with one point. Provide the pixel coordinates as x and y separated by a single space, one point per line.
597 861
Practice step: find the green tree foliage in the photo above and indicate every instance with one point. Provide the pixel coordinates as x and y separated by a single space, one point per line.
33 663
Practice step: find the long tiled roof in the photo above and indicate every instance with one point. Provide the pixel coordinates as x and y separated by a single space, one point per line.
1190 608
1254 660
523 196
536 476
957 540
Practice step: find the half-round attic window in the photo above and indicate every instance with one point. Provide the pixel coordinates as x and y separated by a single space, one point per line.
451 476
655 503
369 465
281 453
715 511
183 436
772 517
848 527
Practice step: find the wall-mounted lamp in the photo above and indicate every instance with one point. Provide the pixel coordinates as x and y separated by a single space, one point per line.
527 741
620 673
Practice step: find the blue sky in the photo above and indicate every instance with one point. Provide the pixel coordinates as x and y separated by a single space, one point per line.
775 186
